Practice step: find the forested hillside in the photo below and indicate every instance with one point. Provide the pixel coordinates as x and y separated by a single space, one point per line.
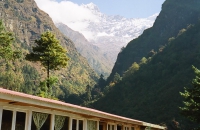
28 22
151 91
174 16
156 66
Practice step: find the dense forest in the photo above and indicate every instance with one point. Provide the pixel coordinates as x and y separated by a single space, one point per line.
150 92
151 71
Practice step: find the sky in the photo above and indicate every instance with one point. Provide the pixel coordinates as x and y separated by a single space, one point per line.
125 8
76 16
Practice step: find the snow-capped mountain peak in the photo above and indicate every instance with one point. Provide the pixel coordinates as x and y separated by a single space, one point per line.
110 33
91 6
115 26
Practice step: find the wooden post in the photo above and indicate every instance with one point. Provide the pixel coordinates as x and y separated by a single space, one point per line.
70 123
115 128
1 114
97 125
28 120
52 122
85 124
77 124
14 120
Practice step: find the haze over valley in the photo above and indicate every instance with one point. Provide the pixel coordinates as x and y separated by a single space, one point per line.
108 33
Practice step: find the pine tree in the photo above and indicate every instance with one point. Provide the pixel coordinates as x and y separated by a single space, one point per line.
88 96
191 108
49 53
8 77
6 41
117 78
101 82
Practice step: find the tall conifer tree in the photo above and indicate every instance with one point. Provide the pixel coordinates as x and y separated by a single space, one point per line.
8 77
191 108
49 53
6 41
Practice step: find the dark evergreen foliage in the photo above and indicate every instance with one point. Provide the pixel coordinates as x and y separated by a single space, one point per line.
152 92
31 79
191 108
175 15
49 52
6 44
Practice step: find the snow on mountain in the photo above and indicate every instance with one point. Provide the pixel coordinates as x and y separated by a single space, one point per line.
111 33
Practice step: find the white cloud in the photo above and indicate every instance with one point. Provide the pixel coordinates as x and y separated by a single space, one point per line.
68 13
88 20
104 34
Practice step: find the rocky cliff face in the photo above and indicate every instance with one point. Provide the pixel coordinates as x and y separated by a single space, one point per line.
27 21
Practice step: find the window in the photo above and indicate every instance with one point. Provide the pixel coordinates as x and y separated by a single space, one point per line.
91 125
102 126
126 128
119 127
20 121
74 124
6 123
66 124
132 128
80 125
40 120
46 125
111 127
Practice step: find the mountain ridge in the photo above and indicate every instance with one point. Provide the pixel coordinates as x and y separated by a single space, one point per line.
28 22
110 33
92 53
152 93
156 66
164 31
